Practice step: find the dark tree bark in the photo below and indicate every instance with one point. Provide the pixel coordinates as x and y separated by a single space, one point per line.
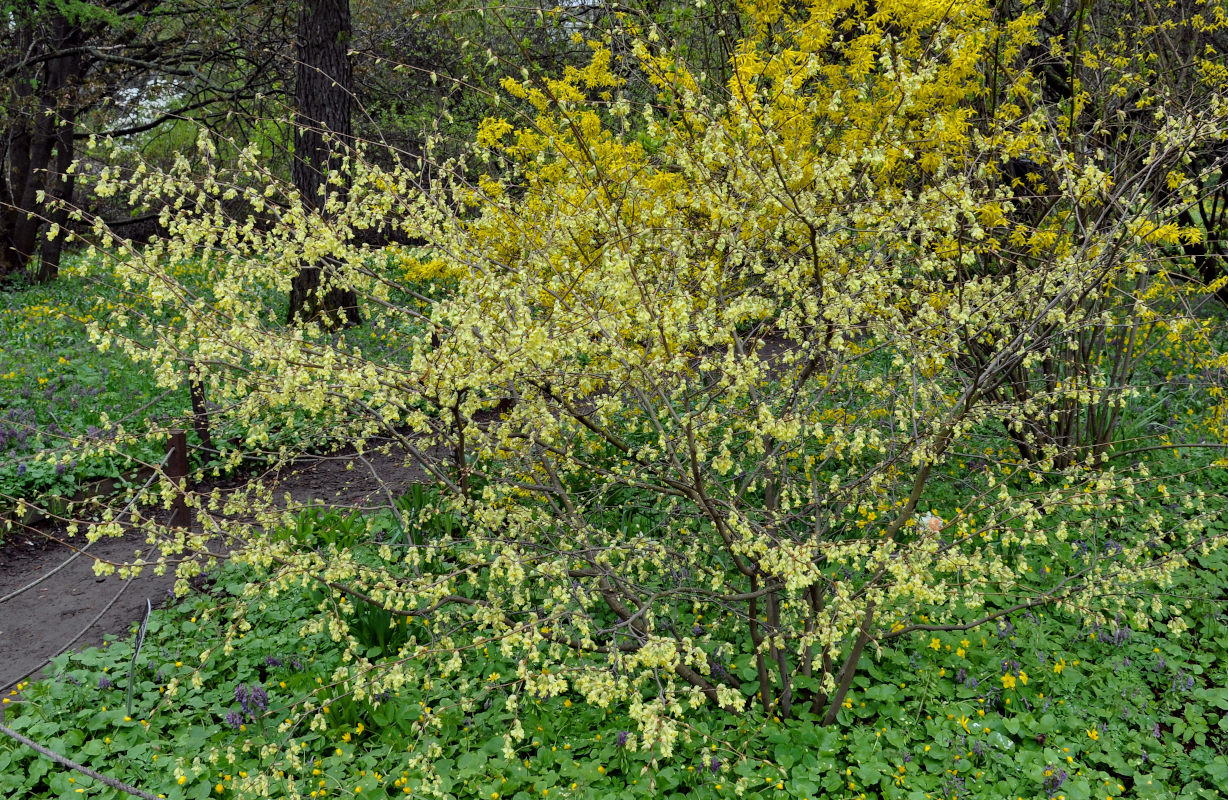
62 72
62 64
39 142
322 133
60 195
16 221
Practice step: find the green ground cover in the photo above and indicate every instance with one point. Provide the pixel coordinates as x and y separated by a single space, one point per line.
1040 704
55 386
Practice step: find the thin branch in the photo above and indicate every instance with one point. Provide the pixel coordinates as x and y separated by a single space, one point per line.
84 770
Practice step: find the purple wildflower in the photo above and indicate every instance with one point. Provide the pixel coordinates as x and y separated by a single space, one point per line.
105 683
234 720
715 766
251 699
272 661
1054 778
260 699
622 739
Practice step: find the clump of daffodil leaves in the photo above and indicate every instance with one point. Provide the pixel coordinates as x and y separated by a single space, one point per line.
701 351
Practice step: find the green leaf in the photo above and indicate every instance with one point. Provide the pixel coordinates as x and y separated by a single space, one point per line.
999 741
94 747
883 691
1217 697
786 755
471 761
37 769
1077 789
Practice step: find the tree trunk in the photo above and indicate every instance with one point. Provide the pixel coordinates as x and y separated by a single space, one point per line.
61 72
17 138
322 132
60 194
39 150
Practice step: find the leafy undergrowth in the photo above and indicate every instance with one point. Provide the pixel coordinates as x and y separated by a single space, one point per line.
55 386
57 389
1037 705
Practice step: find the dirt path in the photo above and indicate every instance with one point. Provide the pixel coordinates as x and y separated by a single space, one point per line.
64 608
74 608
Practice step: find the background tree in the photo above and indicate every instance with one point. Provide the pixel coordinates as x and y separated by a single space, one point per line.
148 72
1104 77
323 87
44 66
72 69
1114 81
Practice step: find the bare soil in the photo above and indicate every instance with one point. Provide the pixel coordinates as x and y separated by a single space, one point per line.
67 608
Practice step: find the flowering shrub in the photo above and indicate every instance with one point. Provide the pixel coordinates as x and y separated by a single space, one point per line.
702 362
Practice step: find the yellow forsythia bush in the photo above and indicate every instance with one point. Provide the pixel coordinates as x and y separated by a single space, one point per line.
708 352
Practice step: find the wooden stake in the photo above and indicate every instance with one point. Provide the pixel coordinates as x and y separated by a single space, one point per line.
177 470
200 414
